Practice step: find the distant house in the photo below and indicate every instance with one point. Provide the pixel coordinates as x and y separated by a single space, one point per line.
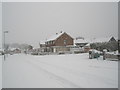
59 42
14 51
112 39
109 43
103 39
42 44
42 47
80 42
17 50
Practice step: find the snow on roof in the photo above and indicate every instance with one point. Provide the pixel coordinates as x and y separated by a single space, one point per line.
102 39
87 45
93 40
54 37
81 41
42 42
12 48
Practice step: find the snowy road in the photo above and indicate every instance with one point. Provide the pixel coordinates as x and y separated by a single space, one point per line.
0 72
59 71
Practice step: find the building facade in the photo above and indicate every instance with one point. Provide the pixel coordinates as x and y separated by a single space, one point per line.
58 42
61 39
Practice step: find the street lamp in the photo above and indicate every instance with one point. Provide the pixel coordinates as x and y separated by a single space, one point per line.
4 42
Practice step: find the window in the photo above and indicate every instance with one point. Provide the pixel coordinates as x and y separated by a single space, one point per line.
52 42
65 42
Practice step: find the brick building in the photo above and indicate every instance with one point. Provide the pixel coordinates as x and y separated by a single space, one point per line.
59 41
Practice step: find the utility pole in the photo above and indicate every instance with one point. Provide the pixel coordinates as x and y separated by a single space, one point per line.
4 42
118 49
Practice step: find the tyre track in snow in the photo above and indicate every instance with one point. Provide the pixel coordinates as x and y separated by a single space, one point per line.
83 74
62 81
86 75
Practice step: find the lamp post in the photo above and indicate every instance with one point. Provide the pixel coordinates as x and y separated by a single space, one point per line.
4 42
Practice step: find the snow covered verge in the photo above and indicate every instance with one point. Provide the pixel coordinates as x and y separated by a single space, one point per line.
59 71
0 72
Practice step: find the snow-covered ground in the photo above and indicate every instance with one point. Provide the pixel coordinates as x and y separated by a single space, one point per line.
0 72
59 71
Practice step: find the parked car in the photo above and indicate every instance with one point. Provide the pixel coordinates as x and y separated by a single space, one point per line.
94 53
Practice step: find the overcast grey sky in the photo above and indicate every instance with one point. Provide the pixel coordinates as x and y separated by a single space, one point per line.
0 25
34 22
